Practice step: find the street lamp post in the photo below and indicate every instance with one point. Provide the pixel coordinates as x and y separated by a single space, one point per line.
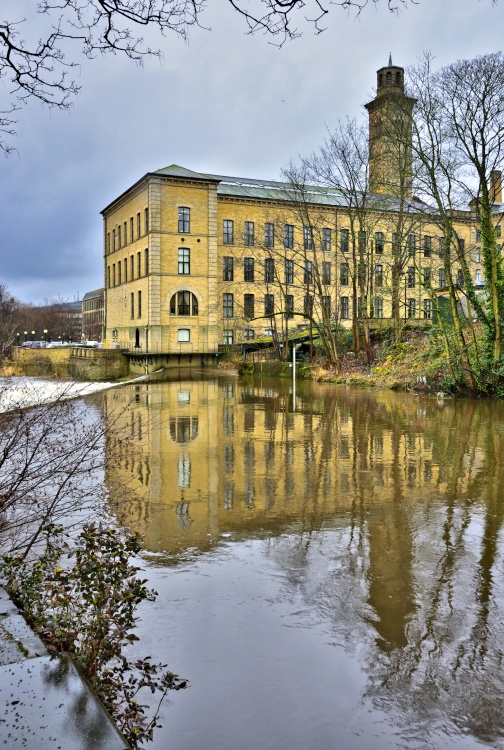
33 335
25 335
45 334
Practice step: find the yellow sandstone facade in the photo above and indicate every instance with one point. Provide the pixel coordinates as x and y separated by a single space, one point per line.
193 261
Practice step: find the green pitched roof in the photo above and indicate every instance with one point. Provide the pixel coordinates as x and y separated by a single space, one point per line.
175 171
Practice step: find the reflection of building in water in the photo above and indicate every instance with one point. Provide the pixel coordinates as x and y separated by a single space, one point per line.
216 455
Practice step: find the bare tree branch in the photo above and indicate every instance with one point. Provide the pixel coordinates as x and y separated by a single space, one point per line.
40 70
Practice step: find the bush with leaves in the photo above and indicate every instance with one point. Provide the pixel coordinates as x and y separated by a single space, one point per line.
82 597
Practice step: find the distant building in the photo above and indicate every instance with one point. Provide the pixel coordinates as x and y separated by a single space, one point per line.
93 314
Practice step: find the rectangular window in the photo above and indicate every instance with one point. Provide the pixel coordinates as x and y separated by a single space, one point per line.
108 276
441 246
308 304
289 305
379 242
131 230
479 277
119 272
113 275
248 306
460 278
125 265
146 221
362 241
119 237
378 275
411 307
308 238
125 227
478 235
248 234
308 272
139 264
184 261
289 271
395 245
378 307
227 268
132 305
227 305
344 273
326 272
326 306
427 276
269 235
184 335
461 245
477 256
146 261
108 243
139 312
227 336
411 277
184 220
228 232
269 270
326 239
344 234
427 246
411 245
248 334
498 231
139 228
427 309
344 310
248 269
442 278
289 236
132 267
269 304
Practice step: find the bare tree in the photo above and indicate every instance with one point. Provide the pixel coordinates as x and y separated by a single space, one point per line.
459 144
9 319
51 458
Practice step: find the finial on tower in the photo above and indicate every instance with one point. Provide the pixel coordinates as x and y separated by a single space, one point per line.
390 60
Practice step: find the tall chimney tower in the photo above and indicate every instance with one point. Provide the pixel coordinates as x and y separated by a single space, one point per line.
496 186
390 134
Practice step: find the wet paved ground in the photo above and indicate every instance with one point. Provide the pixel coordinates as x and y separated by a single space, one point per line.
44 701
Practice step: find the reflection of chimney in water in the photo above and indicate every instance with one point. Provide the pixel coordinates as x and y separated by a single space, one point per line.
496 186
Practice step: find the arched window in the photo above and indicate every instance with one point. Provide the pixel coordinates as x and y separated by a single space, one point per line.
183 303
398 78
380 79
388 77
183 429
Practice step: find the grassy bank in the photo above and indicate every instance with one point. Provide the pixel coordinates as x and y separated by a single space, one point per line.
417 361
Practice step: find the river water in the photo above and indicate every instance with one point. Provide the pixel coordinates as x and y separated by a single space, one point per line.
329 567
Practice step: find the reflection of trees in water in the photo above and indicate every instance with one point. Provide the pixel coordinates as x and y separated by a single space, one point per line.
414 578
408 491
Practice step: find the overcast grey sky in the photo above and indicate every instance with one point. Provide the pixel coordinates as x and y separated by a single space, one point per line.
226 103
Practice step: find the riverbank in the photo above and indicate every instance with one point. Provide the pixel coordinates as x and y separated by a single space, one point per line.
46 701
417 362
